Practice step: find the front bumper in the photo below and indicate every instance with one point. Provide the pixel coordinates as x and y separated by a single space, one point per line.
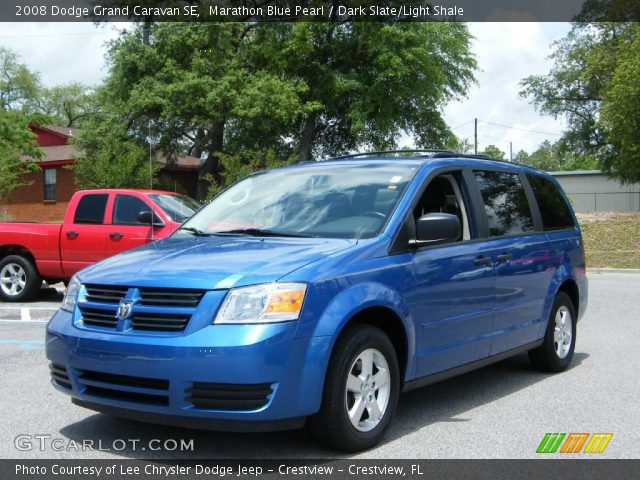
151 378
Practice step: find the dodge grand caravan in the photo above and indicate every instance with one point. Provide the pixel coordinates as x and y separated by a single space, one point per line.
318 292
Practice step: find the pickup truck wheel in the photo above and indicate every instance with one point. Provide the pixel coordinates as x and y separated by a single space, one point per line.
361 390
19 280
555 354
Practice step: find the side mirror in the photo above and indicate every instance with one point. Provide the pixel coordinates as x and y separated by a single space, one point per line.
150 218
435 228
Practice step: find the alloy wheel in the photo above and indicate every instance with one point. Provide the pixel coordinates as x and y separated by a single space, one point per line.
562 332
13 279
368 390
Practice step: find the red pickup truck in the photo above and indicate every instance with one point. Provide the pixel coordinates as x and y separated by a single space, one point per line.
97 224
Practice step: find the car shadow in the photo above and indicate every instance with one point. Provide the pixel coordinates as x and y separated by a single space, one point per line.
49 294
441 402
446 401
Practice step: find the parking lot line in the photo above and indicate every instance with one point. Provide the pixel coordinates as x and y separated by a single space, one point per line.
17 320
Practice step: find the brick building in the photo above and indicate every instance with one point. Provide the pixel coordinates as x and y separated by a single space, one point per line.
50 189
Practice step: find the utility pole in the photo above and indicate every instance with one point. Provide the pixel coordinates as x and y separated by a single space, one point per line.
146 41
150 158
475 135
510 151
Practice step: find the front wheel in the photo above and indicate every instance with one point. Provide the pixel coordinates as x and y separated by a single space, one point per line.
361 390
19 279
555 354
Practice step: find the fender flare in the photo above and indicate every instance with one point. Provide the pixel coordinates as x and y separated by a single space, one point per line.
358 298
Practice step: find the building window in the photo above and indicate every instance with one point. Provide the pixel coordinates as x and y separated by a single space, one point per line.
50 184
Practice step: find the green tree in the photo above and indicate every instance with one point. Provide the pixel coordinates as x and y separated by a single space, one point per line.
456 144
555 157
69 105
545 157
111 158
17 147
493 152
248 91
522 157
594 85
196 89
19 86
373 80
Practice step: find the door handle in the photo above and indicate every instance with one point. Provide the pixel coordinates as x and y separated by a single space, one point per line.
482 261
72 234
116 235
504 257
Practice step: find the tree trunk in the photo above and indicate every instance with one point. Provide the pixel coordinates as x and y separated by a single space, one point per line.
307 138
196 149
212 163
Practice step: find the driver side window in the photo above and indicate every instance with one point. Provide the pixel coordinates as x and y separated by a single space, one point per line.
126 210
444 195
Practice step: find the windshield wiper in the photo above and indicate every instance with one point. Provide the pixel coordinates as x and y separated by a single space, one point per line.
258 232
195 231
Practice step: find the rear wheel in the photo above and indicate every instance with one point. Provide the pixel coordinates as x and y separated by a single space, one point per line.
19 279
555 354
361 390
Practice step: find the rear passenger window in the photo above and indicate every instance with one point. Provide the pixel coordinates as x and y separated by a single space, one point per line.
505 203
91 209
553 207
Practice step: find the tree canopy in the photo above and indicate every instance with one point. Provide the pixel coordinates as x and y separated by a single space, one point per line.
493 152
594 84
19 86
70 105
555 157
246 95
16 142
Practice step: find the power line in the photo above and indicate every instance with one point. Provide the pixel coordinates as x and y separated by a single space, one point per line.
67 34
520 129
462 125
165 26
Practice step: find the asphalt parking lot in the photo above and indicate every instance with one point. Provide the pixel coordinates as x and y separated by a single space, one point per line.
501 411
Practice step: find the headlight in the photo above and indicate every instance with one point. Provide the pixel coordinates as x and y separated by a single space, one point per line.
70 295
268 303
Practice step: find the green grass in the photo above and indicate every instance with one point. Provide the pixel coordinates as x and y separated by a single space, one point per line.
611 239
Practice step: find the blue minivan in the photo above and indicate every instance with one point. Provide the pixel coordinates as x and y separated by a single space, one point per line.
317 293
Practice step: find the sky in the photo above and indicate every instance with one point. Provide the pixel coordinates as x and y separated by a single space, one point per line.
506 53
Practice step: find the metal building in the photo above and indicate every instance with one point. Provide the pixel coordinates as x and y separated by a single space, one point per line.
593 191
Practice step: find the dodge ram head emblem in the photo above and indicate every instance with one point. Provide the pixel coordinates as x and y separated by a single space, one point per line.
124 309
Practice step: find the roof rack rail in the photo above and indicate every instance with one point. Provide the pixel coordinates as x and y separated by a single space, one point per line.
387 152
426 153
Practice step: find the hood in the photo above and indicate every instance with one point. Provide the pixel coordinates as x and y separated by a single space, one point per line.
210 262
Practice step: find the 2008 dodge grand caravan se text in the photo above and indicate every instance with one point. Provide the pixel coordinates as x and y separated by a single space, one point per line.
318 292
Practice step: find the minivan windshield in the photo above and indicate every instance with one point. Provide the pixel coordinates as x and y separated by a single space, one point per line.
323 200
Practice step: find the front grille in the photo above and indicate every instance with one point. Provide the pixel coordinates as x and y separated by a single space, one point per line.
159 322
173 297
59 375
105 294
125 387
156 317
225 396
99 318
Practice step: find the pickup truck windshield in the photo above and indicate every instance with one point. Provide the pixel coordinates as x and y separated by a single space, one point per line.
178 207
331 201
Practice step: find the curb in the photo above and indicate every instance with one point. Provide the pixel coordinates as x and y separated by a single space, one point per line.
629 271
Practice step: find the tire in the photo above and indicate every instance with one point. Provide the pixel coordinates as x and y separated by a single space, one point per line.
553 355
19 279
346 388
